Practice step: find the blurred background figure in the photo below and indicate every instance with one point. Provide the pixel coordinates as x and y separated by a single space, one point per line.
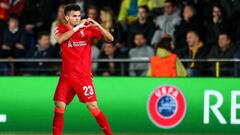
143 24
166 63
141 50
13 44
92 12
58 21
110 23
166 23
190 21
196 50
217 24
13 39
109 52
225 49
43 50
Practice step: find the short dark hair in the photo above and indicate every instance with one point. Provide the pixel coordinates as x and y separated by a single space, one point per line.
139 33
165 43
71 7
42 33
145 8
13 16
173 2
224 33
111 43
92 7
195 32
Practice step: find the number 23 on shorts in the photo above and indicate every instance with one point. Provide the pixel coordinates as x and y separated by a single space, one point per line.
88 90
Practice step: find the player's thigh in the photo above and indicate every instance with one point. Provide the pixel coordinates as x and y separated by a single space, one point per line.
85 90
64 91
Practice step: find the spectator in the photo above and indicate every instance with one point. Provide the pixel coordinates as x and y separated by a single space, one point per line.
165 63
13 40
195 50
13 45
166 23
59 21
92 12
141 50
109 68
215 26
111 24
129 9
142 24
224 50
43 50
189 22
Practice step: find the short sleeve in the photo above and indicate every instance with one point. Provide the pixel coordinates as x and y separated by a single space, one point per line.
96 33
59 29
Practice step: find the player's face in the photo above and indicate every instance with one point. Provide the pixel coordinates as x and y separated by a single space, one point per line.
73 18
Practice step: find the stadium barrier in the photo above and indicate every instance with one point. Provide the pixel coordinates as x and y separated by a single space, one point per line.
123 67
182 105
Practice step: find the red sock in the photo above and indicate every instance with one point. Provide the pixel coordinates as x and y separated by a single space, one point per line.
102 121
58 121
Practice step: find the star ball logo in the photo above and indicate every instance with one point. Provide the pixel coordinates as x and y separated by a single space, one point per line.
166 106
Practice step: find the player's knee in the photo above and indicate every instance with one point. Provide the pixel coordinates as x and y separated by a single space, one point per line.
60 104
91 105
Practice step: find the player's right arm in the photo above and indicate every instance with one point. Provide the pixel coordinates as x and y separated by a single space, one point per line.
61 37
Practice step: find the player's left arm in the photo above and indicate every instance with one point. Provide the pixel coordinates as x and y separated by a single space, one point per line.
106 34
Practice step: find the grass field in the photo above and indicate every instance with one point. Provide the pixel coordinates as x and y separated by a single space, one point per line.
31 133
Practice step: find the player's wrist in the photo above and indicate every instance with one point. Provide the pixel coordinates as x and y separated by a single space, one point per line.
76 28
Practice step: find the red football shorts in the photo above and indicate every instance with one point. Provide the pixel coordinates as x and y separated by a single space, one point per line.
67 88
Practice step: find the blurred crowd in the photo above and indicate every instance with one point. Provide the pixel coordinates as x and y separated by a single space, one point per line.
169 29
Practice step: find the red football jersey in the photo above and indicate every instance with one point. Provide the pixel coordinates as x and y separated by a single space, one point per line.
77 51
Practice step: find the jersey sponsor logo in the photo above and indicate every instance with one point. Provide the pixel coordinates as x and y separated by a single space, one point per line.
166 106
76 44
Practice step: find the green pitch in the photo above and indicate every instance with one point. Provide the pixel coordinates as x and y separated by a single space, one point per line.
33 133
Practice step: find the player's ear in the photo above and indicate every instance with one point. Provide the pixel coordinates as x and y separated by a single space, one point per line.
67 18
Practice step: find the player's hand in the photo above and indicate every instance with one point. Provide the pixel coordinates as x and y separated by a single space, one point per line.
81 25
93 22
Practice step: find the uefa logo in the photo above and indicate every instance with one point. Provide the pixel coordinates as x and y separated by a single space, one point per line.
166 106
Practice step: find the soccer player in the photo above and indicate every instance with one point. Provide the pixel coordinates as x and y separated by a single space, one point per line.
76 76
